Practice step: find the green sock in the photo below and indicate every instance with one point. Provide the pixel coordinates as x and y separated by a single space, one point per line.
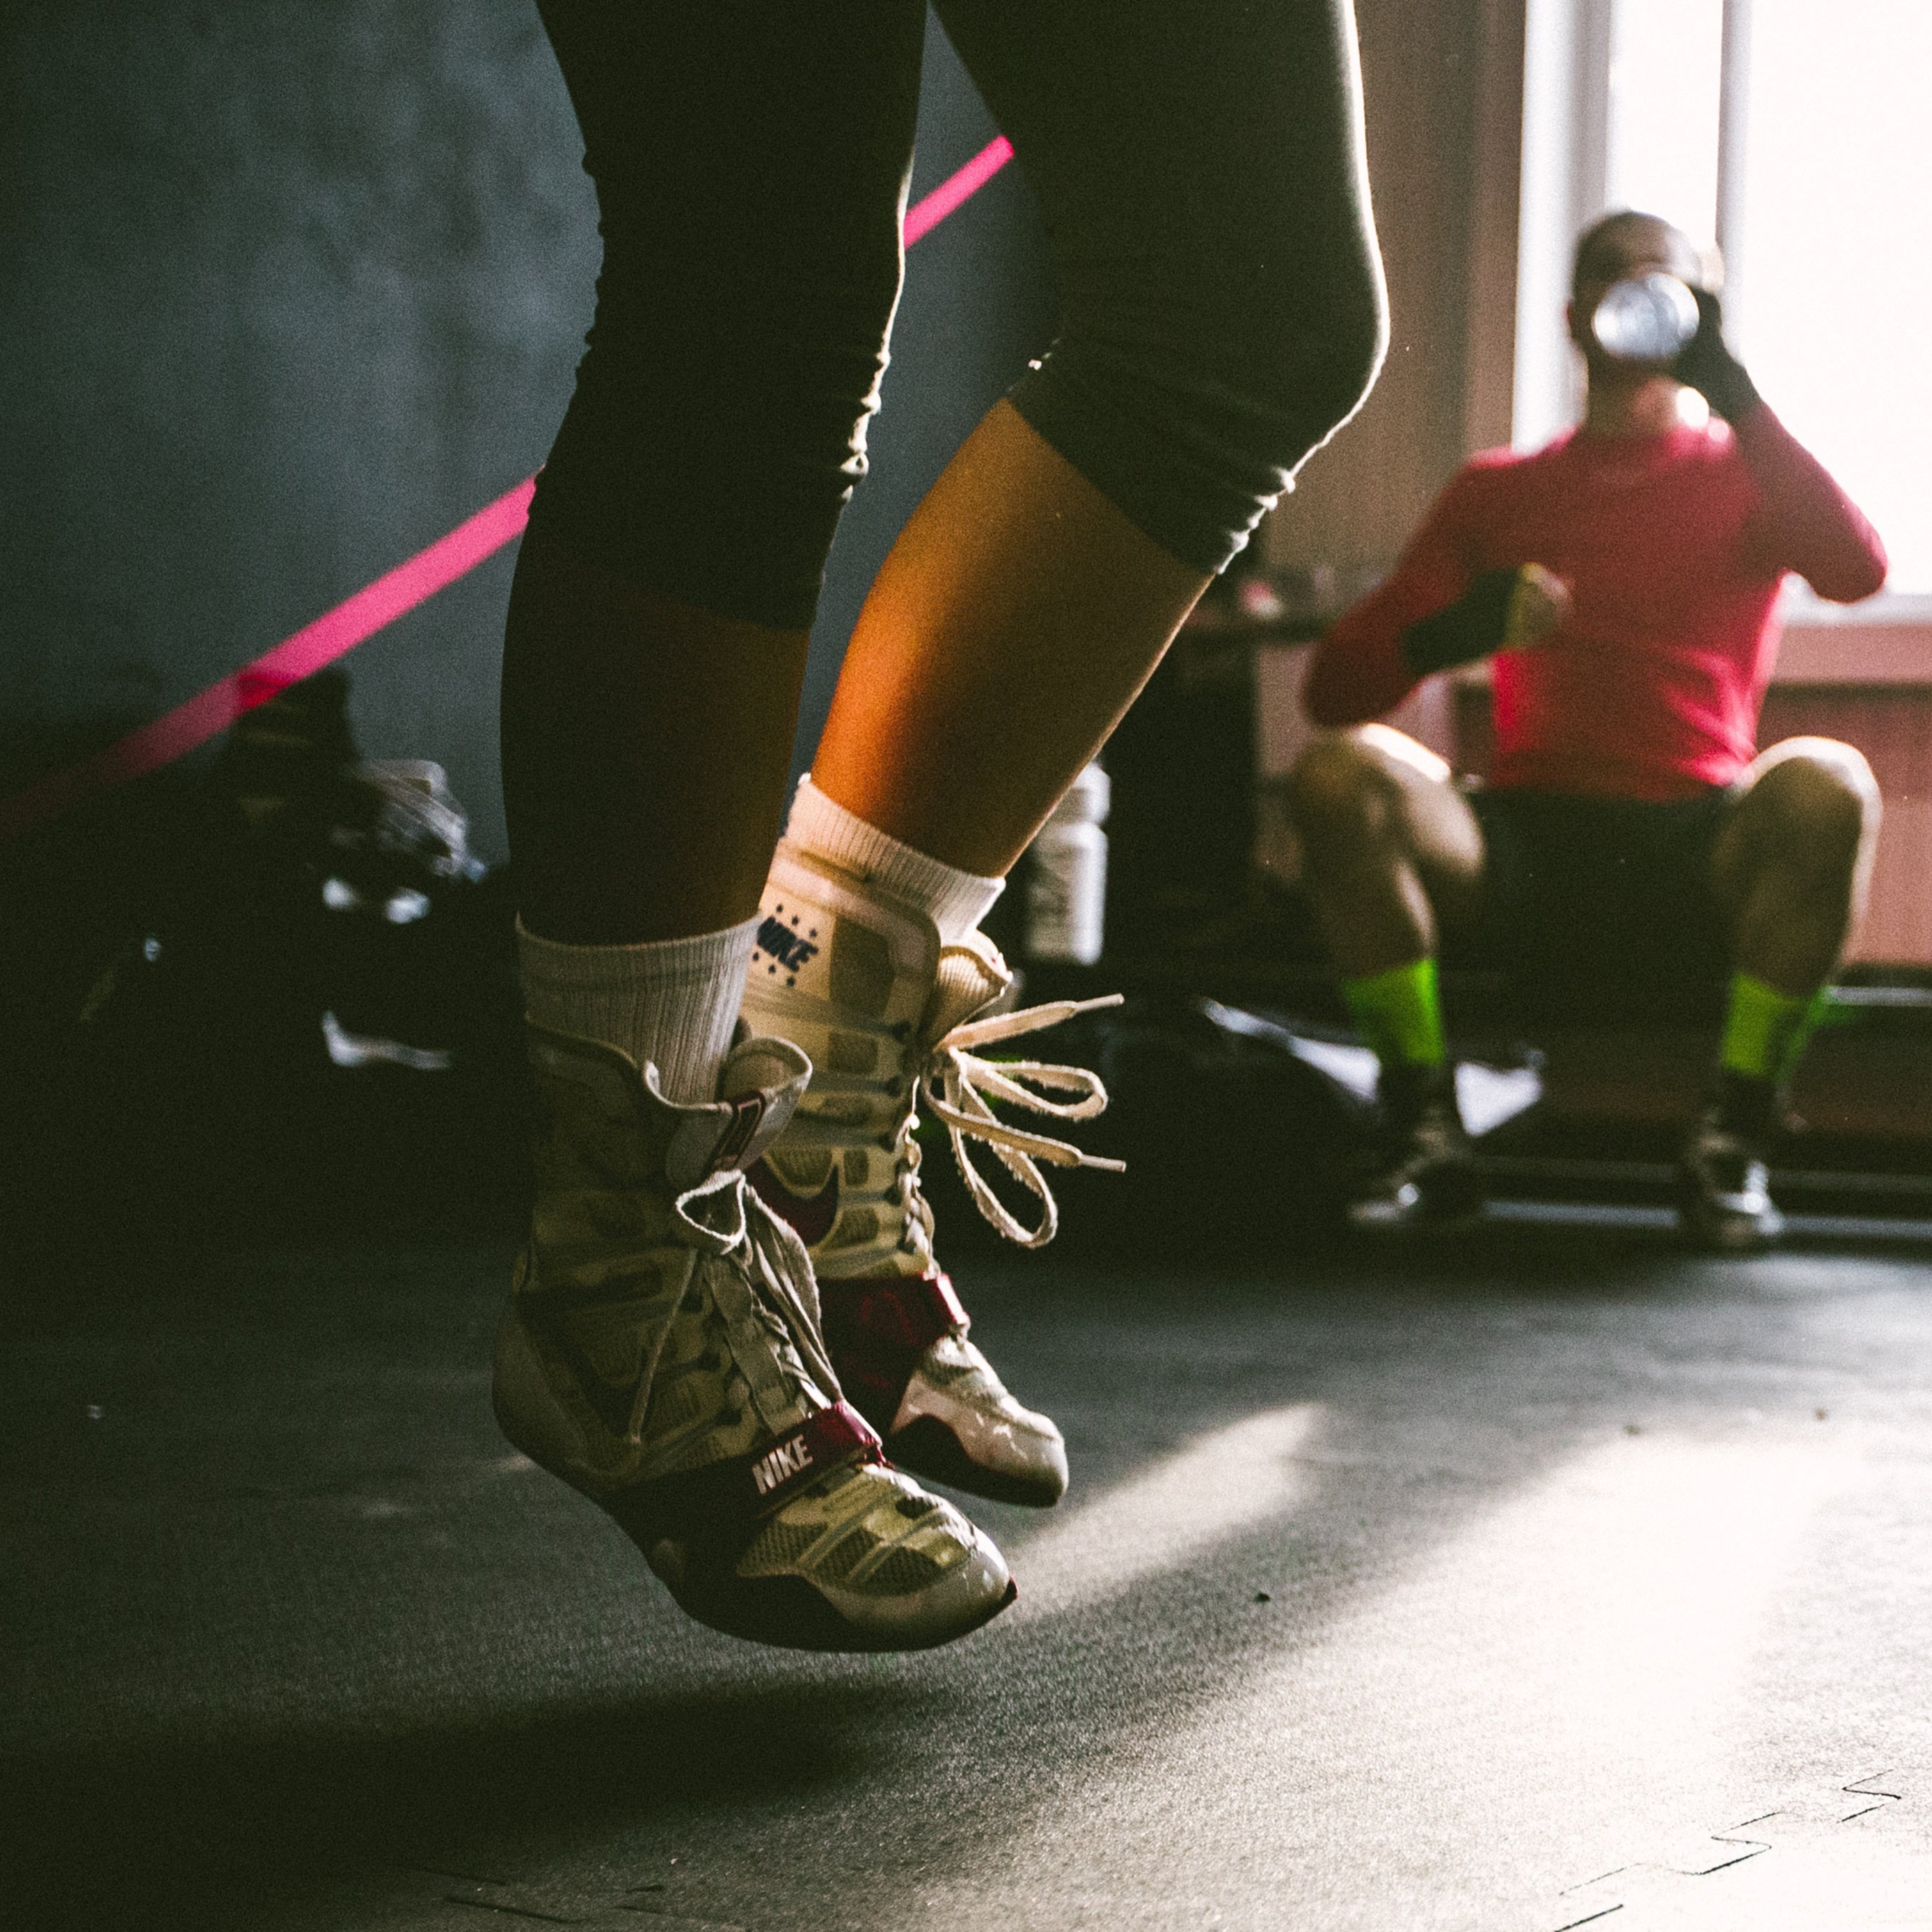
1400 1014
1765 1030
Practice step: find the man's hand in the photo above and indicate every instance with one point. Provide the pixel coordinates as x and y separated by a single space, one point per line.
1502 610
1708 367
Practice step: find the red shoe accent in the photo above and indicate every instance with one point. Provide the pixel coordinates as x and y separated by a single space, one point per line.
812 1215
877 1330
743 1488
839 1434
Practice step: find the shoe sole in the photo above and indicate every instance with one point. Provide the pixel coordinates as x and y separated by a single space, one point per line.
1457 1218
788 1613
1422 1227
1704 1239
781 1612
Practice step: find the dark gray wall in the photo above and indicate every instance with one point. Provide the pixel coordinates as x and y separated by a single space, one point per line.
289 287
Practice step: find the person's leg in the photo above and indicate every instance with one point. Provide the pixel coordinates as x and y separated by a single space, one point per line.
1201 174
1390 851
646 746
1200 171
1013 622
750 174
661 1351
1789 868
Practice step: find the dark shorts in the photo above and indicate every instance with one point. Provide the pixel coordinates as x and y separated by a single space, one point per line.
1602 904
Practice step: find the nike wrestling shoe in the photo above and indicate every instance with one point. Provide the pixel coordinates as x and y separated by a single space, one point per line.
1723 1185
891 1018
661 1352
1424 1175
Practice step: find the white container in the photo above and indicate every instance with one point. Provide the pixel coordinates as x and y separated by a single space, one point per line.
1085 802
1066 877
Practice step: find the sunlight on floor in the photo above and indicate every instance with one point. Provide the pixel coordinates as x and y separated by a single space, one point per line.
1219 1485
1573 1669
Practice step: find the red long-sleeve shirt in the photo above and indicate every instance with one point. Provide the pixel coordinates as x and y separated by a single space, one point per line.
1674 547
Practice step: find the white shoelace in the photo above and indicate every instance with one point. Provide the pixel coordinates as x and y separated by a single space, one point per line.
959 1088
726 1217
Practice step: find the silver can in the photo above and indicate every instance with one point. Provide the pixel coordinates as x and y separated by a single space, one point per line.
1646 319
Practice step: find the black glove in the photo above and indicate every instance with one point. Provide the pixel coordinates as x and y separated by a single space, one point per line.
1710 368
1471 628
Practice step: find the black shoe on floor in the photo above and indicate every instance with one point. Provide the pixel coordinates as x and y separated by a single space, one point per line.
1724 1184
1425 1174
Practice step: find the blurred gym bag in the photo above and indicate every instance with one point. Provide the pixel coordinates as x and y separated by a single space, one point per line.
311 1023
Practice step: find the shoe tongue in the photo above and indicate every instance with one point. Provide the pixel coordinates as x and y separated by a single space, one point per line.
971 976
759 1086
774 1068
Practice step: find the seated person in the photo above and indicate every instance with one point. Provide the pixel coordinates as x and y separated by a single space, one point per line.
1625 577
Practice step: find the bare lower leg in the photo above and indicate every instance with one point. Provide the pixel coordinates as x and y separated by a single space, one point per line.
1792 922
1792 929
1013 623
1793 863
645 747
1369 822
1373 911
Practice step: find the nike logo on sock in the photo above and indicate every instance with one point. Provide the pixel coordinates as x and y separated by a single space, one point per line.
788 947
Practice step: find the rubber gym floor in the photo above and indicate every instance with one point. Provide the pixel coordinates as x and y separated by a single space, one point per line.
1547 1579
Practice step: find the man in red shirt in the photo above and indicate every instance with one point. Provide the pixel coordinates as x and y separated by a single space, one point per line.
1625 578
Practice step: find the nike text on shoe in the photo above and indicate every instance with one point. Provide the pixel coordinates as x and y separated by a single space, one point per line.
892 1018
661 1353
1723 1190
1425 1174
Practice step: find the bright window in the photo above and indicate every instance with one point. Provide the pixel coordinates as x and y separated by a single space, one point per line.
1667 72
1835 281
1832 279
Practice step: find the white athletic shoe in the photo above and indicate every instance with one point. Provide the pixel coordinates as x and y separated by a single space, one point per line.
660 1353
890 1017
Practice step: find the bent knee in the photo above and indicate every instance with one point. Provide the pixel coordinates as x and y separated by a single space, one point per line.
1823 776
1320 369
1282 358
1192 404
1820 793
1338 788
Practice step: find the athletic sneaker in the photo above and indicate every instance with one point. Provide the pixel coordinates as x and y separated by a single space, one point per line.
891 1017
1724 1189
661 1352
1425 1174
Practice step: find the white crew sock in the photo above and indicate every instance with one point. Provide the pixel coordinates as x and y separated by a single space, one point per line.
674 1002
955 902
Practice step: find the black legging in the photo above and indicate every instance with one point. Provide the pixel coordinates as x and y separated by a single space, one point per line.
1199 165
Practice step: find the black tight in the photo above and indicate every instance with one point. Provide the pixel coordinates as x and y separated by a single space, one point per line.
1199 168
